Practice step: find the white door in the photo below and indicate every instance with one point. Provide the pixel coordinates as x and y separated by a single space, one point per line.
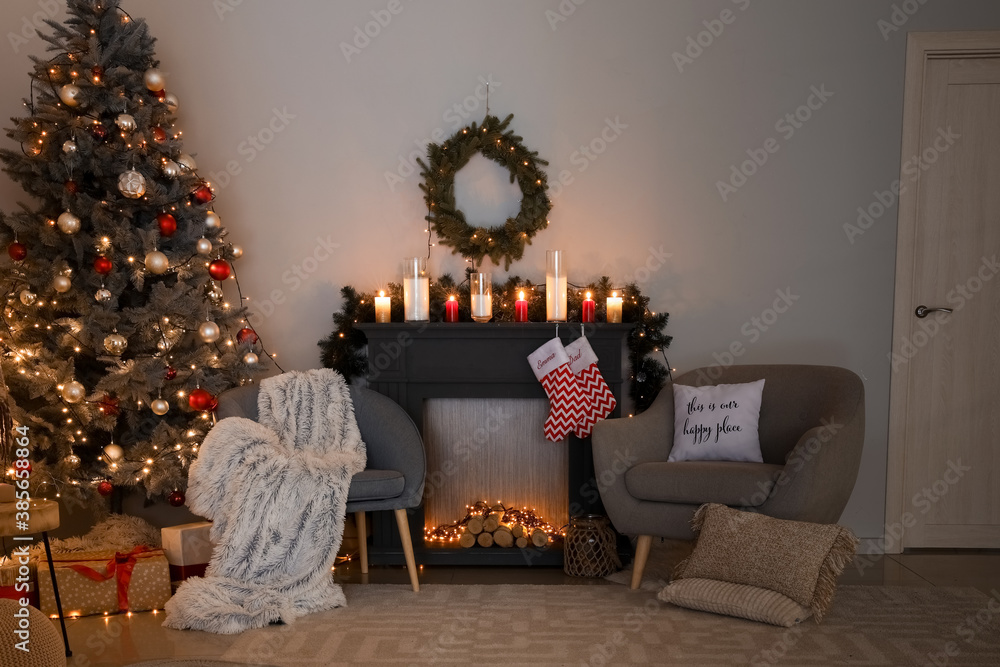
944 449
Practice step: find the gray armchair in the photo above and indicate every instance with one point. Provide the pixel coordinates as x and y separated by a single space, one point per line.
393 478
812 431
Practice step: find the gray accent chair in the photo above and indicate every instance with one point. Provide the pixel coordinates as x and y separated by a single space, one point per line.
393 478
812 431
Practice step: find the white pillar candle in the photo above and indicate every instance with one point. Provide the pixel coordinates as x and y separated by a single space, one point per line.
481 291
416 290
382 308
614 308
555 286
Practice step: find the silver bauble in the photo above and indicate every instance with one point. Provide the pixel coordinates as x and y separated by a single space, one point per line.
114 452
28 297
73 392
160 406
171 169
62 284
132 184
237 251
102 295
73 461
70 95
69 146
157 263
163 345
68 223
214 293
250 359
204 246
186 162
154 79
172 102
125 122
31 148
209 332
212 220
115 344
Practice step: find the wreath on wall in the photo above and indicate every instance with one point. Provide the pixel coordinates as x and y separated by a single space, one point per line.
492 140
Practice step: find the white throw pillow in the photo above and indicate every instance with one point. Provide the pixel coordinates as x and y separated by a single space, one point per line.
717 423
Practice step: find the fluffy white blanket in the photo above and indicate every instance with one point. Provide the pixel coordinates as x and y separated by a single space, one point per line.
276 490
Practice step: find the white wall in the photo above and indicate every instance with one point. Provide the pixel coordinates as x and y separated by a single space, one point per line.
655 186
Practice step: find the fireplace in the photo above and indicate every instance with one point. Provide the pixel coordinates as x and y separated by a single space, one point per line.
470 391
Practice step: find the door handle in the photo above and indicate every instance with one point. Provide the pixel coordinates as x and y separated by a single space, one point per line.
924 311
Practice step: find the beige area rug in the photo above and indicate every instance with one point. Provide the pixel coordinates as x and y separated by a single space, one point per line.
608 625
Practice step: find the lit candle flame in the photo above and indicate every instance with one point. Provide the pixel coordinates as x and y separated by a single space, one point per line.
522 295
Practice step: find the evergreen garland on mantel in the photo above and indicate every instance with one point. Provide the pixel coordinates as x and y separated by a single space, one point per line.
343 350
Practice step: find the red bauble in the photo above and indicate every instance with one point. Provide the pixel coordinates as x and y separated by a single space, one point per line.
159 135
219 269
97 72
170 373
167 223
103 265
246 334
105 488
99 132
160 94
109 405
17 251
201 400
72 187
202 195
176 499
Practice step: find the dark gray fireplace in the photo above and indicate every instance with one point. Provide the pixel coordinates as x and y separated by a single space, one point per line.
417 362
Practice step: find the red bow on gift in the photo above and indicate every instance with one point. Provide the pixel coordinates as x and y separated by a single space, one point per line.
120 567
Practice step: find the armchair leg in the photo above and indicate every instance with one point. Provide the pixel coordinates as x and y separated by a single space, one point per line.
359 519
404 535
641 554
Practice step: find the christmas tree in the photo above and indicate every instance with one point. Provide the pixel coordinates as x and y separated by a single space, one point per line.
117 335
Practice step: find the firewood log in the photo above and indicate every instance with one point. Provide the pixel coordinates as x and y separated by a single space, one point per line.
517 530
491 523
521 542
503 538
475 525
467 540
539 537
485 539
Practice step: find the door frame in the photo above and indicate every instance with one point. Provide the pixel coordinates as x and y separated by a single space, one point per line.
921 47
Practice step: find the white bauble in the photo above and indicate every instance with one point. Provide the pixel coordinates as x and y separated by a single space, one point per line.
73 392
154 79
73 461
69 146
172 102
68 223
160 406
132 184
125 122
209 332
212 220
28 297
250 359
103 296
70 95
187 162
114 452
204 246
62 284
115 343
237 251
157 263
171 169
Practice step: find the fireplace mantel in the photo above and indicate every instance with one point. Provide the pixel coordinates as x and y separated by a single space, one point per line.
413 362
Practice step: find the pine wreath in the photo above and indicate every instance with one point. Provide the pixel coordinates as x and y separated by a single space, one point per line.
492 140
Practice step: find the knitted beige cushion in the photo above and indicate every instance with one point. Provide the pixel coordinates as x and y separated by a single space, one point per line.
797 559
722 597
44 641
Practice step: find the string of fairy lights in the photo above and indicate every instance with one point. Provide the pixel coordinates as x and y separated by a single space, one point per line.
529 519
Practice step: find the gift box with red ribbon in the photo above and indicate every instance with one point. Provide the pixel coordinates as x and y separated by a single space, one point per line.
188 548
99 582
14 585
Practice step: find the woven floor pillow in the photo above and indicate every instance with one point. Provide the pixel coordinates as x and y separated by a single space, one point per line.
45 644
794 559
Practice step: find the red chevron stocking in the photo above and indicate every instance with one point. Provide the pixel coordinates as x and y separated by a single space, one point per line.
583 363
567 403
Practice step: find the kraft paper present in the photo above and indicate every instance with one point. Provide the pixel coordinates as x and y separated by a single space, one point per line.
99 582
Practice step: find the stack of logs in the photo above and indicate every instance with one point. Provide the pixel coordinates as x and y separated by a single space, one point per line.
491 531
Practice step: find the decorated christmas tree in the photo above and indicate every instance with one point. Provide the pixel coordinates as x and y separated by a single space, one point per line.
117 335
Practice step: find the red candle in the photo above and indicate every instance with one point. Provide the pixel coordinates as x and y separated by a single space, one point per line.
451 310
587 316
521 309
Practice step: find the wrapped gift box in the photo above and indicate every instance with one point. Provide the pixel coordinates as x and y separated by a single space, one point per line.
9 569
188 548
99 582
